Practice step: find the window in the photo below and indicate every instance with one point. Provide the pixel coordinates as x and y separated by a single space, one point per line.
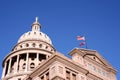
67 75
40 34
94 68
82 78
32 58
85 63
53 70
74 77
34 32
15 48
46 47
27 45
40 45
23 67
42 78
42 57
33 44
99 71
32 65
19 78
94 58
29 78
60 69
100 79
89 66
47 76
103 73
20 46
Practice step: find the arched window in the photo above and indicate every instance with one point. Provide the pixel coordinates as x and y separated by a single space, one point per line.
40 34
23 67
32 65
20 46
46 47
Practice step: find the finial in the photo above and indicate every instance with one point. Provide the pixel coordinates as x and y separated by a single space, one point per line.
36 25
36 19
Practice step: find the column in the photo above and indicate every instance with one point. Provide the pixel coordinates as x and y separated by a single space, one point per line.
4 69
46 56
27 57
37 59
71 75
44 77
9 68
16 70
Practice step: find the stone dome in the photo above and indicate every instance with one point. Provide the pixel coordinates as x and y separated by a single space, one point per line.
32 49
35 34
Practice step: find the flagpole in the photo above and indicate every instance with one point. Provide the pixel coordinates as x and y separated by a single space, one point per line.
86 43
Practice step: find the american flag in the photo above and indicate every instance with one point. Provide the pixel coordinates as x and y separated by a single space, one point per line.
81 38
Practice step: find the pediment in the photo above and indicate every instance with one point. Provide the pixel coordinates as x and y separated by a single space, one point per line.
96 59
92 54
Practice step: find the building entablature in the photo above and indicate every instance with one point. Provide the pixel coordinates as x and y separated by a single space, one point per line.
58 59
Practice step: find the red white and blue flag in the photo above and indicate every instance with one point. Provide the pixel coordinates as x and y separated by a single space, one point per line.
81 38
82 43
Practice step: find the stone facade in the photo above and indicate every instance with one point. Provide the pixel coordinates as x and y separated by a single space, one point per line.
35 58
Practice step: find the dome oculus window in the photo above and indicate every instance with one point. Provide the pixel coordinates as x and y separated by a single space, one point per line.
40 45
33 44
27 45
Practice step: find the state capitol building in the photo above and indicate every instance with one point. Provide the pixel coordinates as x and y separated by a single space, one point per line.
35 58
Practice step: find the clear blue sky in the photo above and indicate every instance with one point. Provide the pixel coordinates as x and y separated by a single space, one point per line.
63 20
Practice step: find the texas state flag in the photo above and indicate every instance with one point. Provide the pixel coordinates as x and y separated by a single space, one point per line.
82 43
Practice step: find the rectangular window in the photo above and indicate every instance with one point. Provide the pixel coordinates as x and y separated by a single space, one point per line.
67 75
42 78
103 73
99 71
89 66
94 68
47 76
19 78
60 69
74 77
82 78
85 63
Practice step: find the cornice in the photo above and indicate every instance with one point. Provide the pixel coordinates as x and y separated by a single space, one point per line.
85 52
59 58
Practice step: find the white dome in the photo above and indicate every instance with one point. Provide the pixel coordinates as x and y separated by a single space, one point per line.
35 35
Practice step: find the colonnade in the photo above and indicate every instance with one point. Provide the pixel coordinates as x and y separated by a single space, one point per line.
13 65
